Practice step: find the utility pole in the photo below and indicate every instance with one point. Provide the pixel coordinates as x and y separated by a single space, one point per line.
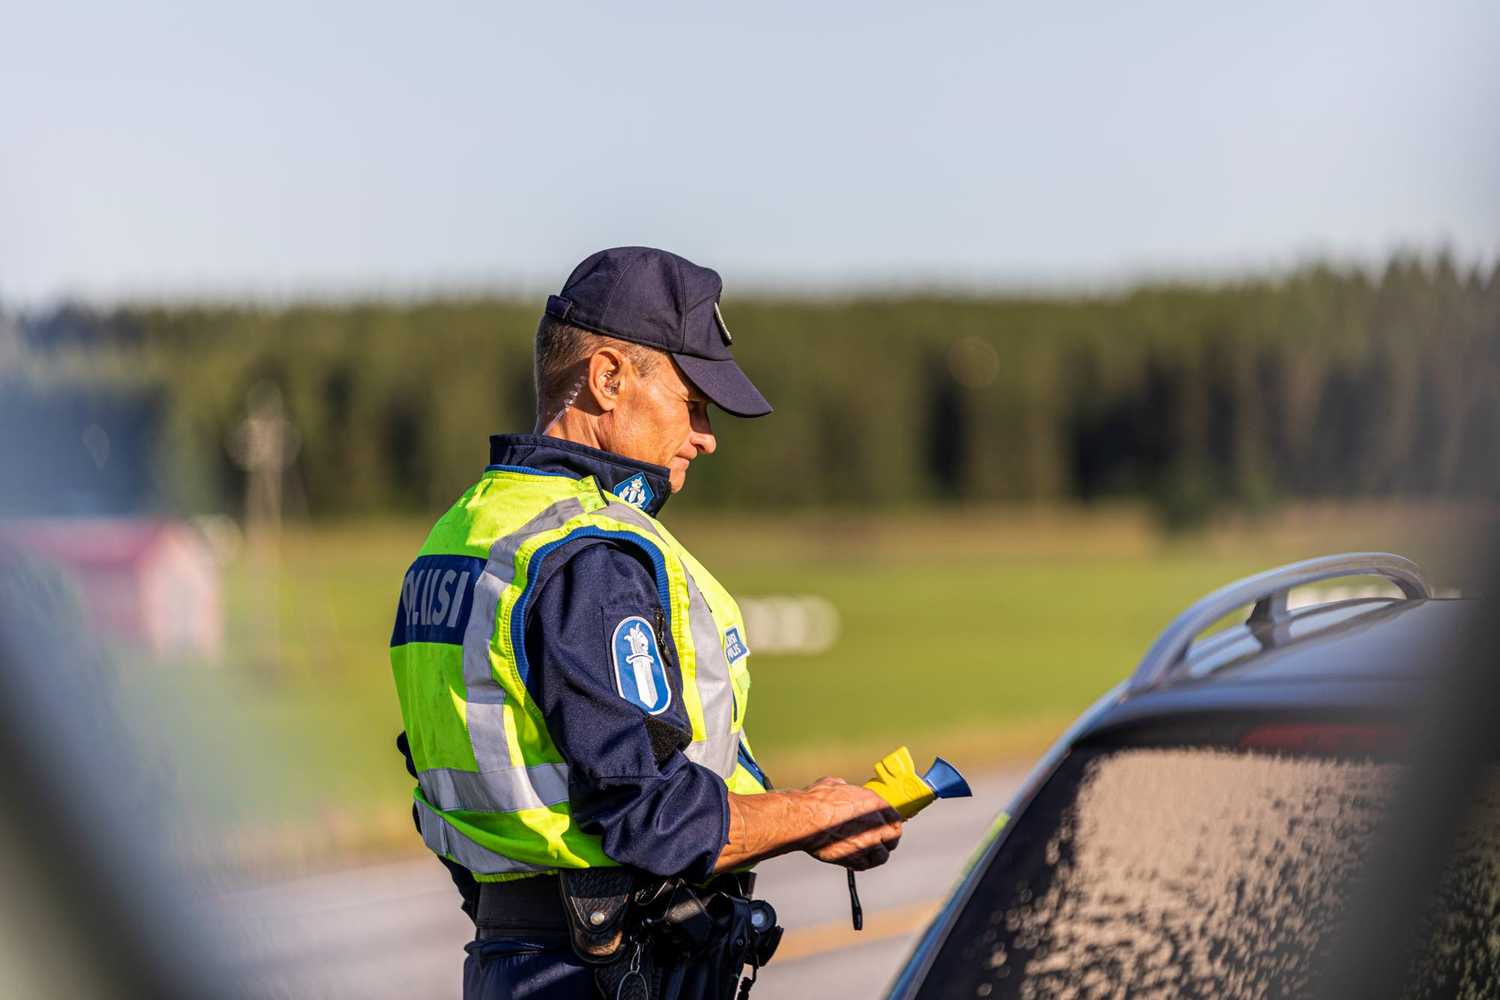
264 444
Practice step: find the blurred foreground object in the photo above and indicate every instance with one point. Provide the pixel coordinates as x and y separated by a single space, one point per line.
1423 917
95 906
148 583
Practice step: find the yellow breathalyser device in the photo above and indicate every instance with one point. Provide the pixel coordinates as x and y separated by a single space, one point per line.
897 781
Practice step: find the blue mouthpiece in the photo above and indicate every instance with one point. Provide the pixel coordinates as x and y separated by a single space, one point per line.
945 781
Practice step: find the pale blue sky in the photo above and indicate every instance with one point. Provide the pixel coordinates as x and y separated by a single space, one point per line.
278 149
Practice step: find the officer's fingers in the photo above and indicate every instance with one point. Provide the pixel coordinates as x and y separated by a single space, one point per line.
886 836
868 807
891 839
871 858
887 821
869 838
850 845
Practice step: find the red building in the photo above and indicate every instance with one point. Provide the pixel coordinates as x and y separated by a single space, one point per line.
151 583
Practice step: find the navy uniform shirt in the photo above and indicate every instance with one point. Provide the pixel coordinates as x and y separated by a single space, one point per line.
629 782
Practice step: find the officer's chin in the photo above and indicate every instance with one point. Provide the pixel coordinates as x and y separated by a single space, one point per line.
677 470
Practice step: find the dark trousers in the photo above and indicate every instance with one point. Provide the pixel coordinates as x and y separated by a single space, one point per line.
539 967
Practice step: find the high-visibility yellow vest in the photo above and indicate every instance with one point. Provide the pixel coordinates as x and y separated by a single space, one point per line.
492 788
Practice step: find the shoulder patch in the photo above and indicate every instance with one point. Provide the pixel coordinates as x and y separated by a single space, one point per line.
635 491
734 646
640 674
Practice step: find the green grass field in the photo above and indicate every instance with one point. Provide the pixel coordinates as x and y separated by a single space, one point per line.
975 634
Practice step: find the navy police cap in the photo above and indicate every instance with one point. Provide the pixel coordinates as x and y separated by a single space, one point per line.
661 300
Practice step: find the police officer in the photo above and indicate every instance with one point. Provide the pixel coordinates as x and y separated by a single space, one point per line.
574 684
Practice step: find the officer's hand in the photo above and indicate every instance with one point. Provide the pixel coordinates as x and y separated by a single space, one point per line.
860 829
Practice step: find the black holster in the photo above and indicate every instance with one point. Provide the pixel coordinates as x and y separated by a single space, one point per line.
667 940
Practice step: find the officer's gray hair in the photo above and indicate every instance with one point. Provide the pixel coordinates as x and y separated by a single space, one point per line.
562 354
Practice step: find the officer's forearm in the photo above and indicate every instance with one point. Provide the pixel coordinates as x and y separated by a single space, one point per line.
764 826
808 819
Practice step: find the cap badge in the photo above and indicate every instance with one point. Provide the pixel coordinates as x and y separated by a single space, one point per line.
723 330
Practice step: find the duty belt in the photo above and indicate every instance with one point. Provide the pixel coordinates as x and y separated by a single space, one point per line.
533 906
520 908
647 939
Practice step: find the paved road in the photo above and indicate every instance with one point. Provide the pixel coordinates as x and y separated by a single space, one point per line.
395 931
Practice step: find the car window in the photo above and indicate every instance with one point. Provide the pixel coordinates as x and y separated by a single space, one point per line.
1200 873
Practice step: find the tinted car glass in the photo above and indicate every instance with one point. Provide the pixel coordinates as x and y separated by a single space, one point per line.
1200 873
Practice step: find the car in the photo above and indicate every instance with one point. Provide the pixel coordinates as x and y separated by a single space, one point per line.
1196 831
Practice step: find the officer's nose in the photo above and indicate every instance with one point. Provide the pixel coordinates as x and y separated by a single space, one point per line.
705 442
702 436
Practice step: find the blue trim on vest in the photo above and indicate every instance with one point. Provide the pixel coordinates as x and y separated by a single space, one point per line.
748 763
526 471
518 615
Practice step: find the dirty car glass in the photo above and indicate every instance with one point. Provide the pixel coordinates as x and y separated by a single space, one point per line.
1202 873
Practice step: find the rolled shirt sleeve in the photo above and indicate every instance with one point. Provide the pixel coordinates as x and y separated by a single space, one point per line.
628 780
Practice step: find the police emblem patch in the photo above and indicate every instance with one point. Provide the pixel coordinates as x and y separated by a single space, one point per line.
635 491
640 674
734 646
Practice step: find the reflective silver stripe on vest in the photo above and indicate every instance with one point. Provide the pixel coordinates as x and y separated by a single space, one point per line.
719 750
510 790
485 696
442 838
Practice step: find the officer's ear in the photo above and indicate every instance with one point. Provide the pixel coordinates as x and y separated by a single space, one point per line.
607 367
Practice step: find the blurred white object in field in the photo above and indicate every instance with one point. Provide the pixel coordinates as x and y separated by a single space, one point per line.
790 624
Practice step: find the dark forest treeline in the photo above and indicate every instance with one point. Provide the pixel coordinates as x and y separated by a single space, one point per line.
1322 383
